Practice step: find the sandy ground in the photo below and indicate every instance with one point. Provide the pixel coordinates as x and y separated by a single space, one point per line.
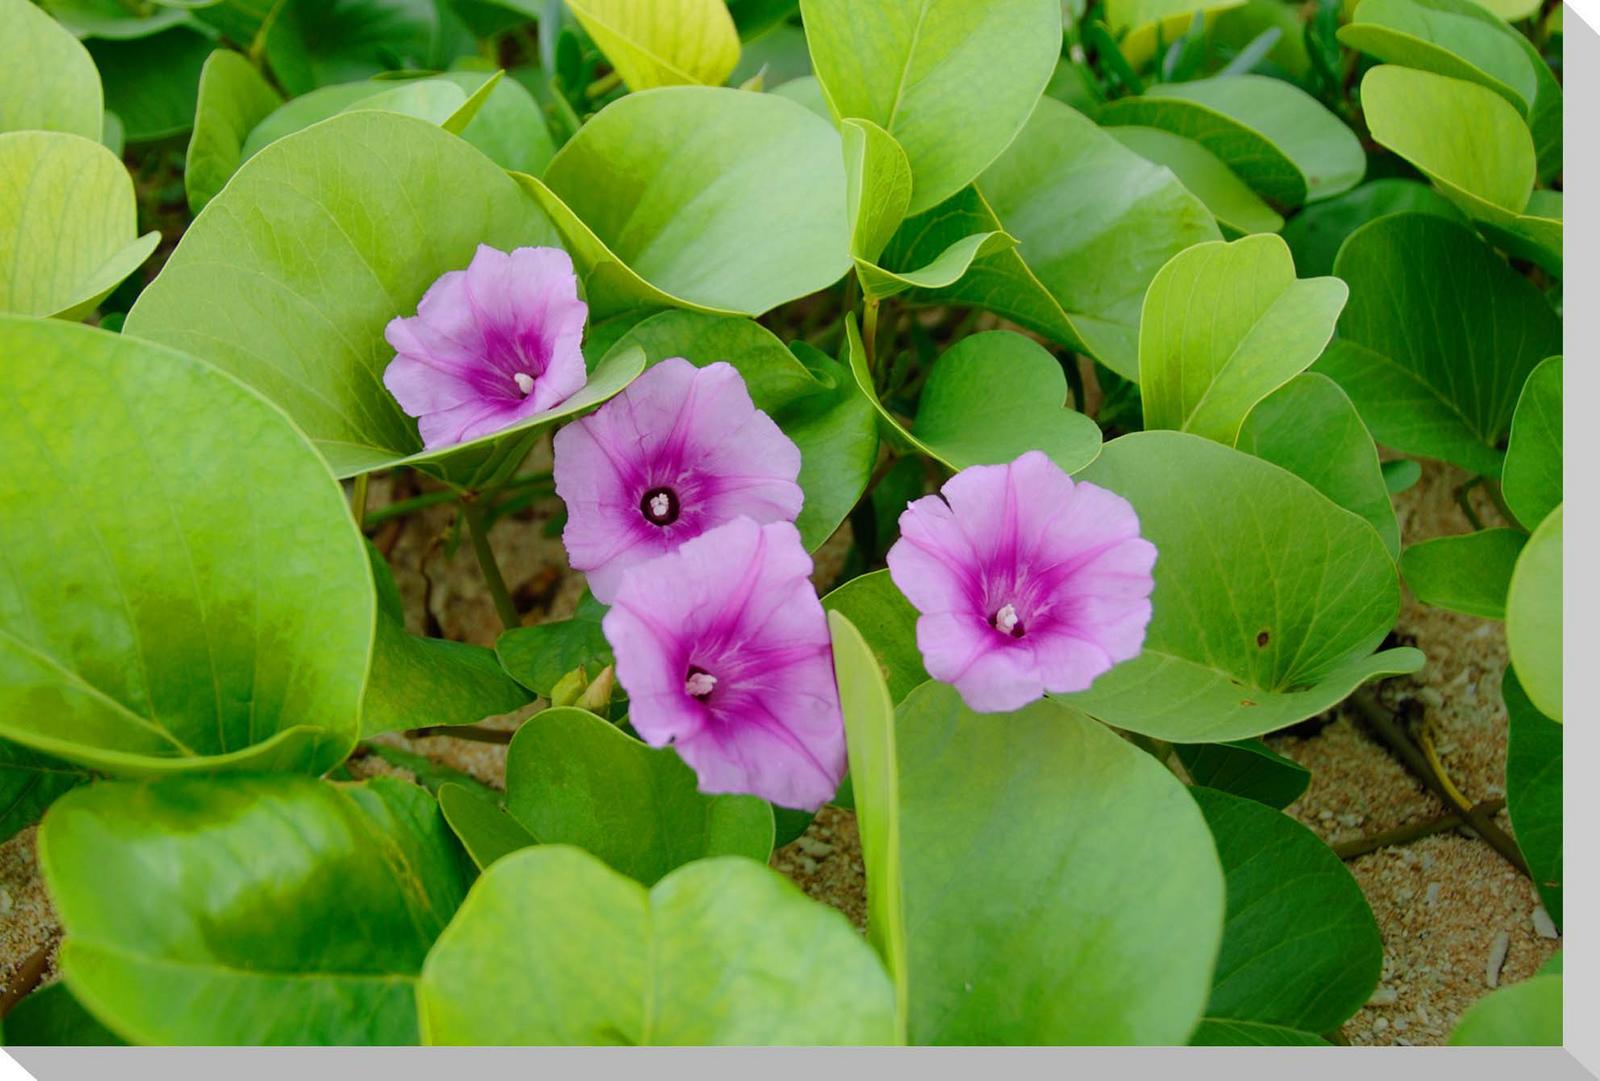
1448 906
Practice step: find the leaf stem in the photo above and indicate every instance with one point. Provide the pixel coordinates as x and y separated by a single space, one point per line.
869 330
358 499
472 511
1349 850
1465 503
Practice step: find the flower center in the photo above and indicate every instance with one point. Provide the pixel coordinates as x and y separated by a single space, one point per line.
660 506
699 684
524 383
1006 621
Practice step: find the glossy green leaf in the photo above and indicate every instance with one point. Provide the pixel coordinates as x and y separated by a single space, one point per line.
953 83
251 910
222 619
538 656
1533 617
51 1017
661 192
67 224
1526 1014
1211 1033
1311 428
662 42
1300 947
153 83
812 397
485 829
307 109
312 43
1317 232
1533 791
233 99
48 81
509 126
1531 480
943 271
1224 325
1468 573
1131 15
880 613
1247 768
29 783
1276 137
289 277
572 778
553 947
1093 222
1269 599
1434 362
877 178
114 21
1229 199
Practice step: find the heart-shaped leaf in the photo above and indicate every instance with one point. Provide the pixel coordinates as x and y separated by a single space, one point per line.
1435 362
1276 137
288 279
1102 933
1224 325
880 613
316 938
67 213
553 947
29 783
1247 768
1311 428
1468 573
1300 947
483 827
48 81
1295 594
1526 1014
1531 479
1533 617
234 98
812 397
659 194
153 83
986 400
953 83
1093 222
572 778
1533 791
662 42
1229 199
222 619
1317 232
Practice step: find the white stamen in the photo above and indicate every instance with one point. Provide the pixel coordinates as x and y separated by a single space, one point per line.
524 383
699 684
661 505
1005 620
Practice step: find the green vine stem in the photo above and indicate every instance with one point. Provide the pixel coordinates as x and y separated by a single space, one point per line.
1349 850
474 733
472 511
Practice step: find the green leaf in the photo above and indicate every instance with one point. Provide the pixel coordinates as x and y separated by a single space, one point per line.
307 109
1468 573
877 186
953 83
484 828
1213 1033
312 43
153 83
661 192
943 271
1269 599
68 214
289 277
222 619
112 20
1093 222
553 947
48 81
1533 791
51 1017
986 400
509 126
1526 1014
29 783
315 938
1533 617
812 398
1311 428
1531 479
234 98
1224 325
880 613
1276 137
1101 932
1300 947
1247 768
1316 233
1229 199
662 42
1435 362
572 778
1400 474
419 681
538 656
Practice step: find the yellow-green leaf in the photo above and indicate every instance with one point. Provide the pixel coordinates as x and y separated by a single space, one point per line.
662 42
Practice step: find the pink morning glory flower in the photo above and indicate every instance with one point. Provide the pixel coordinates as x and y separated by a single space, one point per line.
723 649
1026 581
490 345
681 451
